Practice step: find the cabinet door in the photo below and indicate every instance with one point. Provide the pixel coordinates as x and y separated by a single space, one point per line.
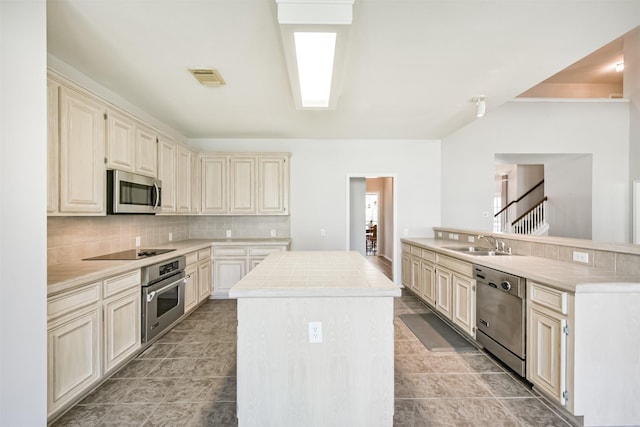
183 180
73 357
464 303
204 279
121 143
226 273
214 185
273 185
195 183
82 171
52 146
167 174
546 351
242 185
416 279
428 282
191 291
443 292
146 152
407 275
122 327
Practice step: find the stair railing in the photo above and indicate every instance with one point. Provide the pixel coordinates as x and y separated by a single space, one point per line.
503 219
532 220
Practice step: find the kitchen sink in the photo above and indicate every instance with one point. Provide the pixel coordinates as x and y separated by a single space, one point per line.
476 250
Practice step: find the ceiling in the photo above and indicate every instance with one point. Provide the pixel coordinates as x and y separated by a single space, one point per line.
412 66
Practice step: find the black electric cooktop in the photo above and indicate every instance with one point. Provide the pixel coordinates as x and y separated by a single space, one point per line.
131 254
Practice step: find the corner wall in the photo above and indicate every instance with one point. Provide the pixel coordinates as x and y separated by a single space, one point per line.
23 191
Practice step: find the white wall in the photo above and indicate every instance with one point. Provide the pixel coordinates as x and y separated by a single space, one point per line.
319 170
357 213
632 92
23 168
586 127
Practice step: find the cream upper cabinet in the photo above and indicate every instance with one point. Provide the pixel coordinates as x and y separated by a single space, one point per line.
121 143
245 184
167 173
183 180
131 146
242 185
146 151
273 185
52 146
195 183
82 169
214 184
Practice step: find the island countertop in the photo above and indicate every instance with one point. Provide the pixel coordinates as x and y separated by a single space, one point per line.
315 274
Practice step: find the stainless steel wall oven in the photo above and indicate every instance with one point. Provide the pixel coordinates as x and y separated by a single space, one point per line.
162 296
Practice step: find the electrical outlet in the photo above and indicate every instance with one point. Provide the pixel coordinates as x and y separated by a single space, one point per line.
471 239
440 234
323 232
170 237
581 257
137 241
453 236
273 233
315 332
405 232
485 214
228 233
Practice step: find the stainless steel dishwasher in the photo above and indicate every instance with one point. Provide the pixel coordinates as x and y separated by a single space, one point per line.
500 316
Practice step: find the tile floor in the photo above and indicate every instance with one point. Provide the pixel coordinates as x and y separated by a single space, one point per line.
187 378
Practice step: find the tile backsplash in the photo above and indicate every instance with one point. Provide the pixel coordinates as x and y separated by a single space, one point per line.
74 238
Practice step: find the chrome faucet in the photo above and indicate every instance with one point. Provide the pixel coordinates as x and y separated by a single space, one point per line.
495 241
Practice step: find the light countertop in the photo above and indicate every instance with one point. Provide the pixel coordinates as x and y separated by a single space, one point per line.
560 275
315 274
62 277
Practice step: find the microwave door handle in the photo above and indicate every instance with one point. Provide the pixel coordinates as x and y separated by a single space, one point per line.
157 201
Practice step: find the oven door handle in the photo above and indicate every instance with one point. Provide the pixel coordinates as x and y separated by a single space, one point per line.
152 294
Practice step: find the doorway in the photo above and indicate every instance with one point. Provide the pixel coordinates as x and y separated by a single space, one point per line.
371 219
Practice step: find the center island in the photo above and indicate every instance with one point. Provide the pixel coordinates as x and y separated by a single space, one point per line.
315 342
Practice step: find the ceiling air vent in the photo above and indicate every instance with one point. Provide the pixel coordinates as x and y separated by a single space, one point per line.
207 76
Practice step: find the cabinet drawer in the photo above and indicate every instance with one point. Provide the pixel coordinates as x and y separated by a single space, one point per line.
428 255
548 297
263 252
73 300
229 251
191 257
204 253
123 282
456 265
416 251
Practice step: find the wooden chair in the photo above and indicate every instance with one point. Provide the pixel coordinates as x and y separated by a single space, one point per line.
372 240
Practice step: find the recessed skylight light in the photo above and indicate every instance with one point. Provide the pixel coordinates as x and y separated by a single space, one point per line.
314 54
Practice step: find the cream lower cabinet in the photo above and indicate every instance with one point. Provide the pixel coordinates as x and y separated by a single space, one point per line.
122 305
198 274
443 291
547 310
232 262
74 337
444 283
191 284
92 330
204 274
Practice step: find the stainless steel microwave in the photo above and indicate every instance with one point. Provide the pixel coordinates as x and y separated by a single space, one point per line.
130 193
